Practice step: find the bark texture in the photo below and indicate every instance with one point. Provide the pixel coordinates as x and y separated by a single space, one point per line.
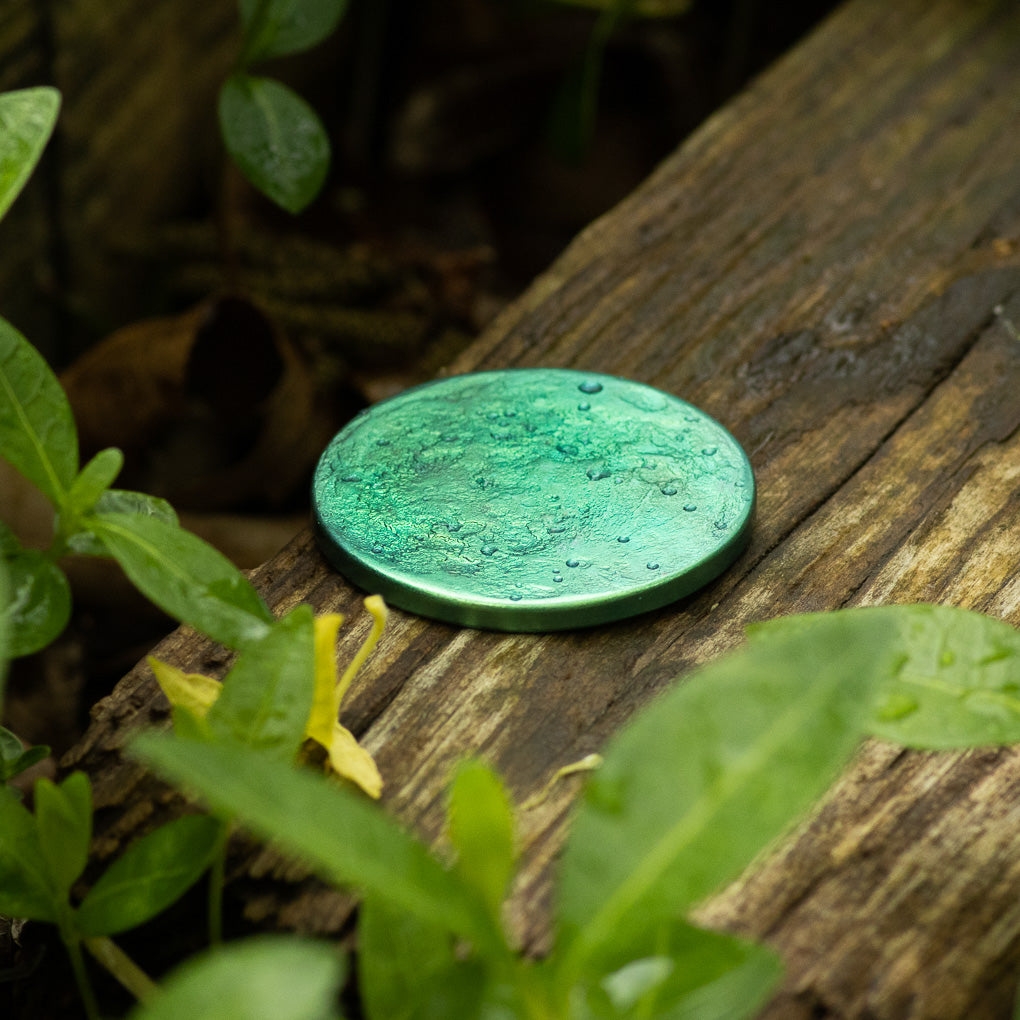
829 267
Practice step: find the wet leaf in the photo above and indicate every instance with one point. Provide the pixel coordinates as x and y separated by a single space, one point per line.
39 602
275 138
955 681
275 28
185 576
153 872
340 835
25 889
37 433
63 816
692 790
95 478
27 117
267 695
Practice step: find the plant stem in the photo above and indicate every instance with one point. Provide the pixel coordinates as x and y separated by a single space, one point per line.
217 871
121 966
81 978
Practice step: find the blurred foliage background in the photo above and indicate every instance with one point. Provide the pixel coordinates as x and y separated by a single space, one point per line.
220 342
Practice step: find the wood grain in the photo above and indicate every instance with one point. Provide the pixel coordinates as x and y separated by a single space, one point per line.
819 267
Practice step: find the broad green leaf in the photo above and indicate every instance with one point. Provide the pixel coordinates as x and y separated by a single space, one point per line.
267 696
63 816
152 873
119 501
39 602
37 433
679 972
698 784
14 758
25 889
275 138
95 478
481 829
955 681
27 117
408 968
275 28
278 977
185 576
339 834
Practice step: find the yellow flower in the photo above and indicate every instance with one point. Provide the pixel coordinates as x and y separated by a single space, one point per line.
348 759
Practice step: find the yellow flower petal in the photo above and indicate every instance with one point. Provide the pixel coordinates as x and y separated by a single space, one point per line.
375 605
326 701
192 691
351 761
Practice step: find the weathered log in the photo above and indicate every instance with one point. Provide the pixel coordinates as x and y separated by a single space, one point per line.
819 267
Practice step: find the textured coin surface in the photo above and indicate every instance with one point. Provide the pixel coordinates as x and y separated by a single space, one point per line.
532 499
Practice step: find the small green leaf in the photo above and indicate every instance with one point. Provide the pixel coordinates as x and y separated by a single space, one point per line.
39 603
275 138
267 696
185 576
25 889
481 828
154 872
955 681
275 28
694 787
14 758
119 501
681 972
37 433
285 978
95 478
408 969
27 117
339 834
63 817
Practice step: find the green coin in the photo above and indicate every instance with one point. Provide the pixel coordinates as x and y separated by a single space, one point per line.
532 499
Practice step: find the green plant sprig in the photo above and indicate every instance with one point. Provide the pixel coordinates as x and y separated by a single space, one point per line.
689 793
275 138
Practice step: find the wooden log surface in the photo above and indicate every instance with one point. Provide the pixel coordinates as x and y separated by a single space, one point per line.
819 267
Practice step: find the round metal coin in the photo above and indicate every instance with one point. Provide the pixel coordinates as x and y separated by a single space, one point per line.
532 499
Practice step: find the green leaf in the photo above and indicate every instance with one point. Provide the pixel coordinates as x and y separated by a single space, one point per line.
955 682
39 604
119 501
275 138
154 872
95 478
680 972
275 28
63 816
27 118
25 889
37 433
344 838
185 576
408 970
481 829
267 696
698 784
14 758
283 977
